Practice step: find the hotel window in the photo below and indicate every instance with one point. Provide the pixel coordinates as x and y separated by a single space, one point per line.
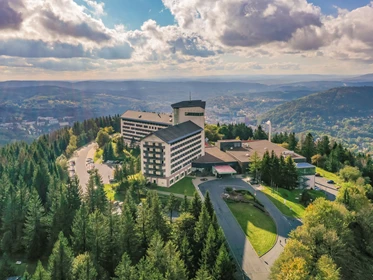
193 114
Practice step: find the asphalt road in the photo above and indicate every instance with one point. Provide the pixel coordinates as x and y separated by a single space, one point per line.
82 154
254 267
329 189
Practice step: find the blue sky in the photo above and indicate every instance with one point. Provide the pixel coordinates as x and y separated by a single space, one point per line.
83 39
133 13
328 6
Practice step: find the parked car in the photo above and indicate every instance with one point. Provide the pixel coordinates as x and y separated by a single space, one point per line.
317 174
204 179
330 182
253 182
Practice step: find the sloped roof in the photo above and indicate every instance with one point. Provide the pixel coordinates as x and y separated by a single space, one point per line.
189 103
160 118
214 155
178 132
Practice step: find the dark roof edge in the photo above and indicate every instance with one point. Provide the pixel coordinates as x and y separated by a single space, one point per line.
189 103
146 121
184 136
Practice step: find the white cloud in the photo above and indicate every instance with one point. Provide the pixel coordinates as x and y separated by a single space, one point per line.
98 7
258 36
245 23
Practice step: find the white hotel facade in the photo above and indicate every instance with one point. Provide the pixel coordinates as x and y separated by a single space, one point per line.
169 143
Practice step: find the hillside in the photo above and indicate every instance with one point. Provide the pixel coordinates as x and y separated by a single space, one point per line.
344 113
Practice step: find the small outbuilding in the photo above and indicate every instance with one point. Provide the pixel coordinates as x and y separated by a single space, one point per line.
221 170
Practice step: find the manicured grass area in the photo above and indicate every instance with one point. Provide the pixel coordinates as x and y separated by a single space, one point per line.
257 225
330 176
288 202
184 186
112 194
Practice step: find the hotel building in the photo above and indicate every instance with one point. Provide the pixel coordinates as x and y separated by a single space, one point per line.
168 142
136 125
167 154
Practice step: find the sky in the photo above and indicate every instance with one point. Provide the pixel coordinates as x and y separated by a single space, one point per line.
150 39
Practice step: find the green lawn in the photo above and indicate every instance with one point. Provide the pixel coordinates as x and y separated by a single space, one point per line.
185 185
285 199
111 192
330 176
259 227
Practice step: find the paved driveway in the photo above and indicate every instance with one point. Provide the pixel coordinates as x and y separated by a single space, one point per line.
82 154
329 189
254 267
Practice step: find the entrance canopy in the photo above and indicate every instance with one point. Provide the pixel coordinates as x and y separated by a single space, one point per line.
223 170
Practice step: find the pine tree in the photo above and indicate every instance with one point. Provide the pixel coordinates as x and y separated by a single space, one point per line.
208 204
4 194
83 268
203 274
282 177
80 231
102 138
292 142
60 260
266 168
200 234
124 270
202 225
98 241
42 180
156 254
143 212
40 273
171 205
175 267
209 251
26 276
224 267
196 206
255 166
275 170
96 197
184 206
112 257
128 237
184 226
156 221
120 146
186 255
145 271
259 134
291 174
308 147
108 152
35 228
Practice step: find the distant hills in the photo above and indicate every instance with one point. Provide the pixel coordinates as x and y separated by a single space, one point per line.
303 105
345 113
